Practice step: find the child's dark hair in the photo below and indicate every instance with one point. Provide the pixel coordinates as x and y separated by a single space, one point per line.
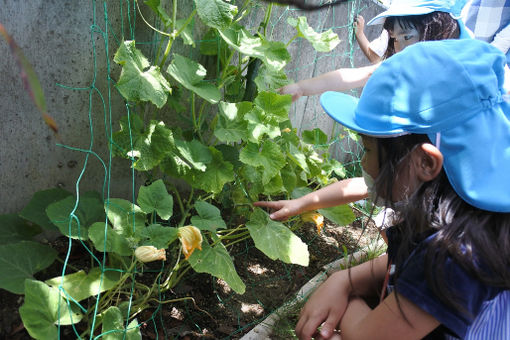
432 26
477 240
307 6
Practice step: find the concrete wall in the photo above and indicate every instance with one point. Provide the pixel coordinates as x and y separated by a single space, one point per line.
66 43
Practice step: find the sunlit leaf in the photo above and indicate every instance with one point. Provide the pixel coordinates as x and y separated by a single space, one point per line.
276 240
322 42
152 146
44 308
126 217
269 157
231 126
194 153
260 124
81 285
316 137
218 173
341 215
275 105
190 74
269 79
217 262
20 261
215 13
155 197
139 81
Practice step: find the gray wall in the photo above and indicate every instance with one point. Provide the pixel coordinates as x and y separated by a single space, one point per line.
59 40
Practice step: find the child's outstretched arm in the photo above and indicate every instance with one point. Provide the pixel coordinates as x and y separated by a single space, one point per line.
338 193
329 302
343 79
361 38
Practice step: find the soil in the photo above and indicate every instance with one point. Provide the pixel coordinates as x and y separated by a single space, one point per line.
217 312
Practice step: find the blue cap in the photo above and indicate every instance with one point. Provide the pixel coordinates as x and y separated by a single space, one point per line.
400 8
451 90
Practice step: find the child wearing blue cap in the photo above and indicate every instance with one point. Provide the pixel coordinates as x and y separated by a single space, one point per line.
436 128
409 21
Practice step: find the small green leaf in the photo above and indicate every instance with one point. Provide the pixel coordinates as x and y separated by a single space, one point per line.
35 210
341 215
139 81
260 124
322 42
81 285
276 240
155 197
215 13
44 308
114 329
209 217
126 217
14 229
269 157
217 262
115 241
73 217
20 261
159 236
190 74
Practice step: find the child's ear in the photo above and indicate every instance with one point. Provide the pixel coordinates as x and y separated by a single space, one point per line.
428 161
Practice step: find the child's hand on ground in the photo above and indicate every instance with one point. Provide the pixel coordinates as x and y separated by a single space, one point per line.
359 25
292 89
284 208
326 307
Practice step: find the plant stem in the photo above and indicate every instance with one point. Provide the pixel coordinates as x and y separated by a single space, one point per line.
292 39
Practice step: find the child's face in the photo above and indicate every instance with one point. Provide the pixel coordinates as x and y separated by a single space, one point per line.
406 180
404 36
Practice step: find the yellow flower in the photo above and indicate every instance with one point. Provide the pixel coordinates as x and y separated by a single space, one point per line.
191 239
149 254
315 217
286 130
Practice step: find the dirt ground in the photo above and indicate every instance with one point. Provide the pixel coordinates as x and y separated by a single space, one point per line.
217 312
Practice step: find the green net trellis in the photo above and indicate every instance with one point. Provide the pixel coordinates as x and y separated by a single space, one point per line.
113 22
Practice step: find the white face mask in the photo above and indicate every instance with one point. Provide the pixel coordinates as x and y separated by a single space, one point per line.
369 181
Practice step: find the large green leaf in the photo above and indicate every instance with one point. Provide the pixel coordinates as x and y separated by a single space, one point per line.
81 285
190 74
270 79
209 217
269 157
194 153
139 81
44 307
155 197
218 173
259 124
322 42
116 242
73 217
159 236
298 158
14 229
276 240
20 261
274 54
231 126
217 262
215 13
35 210
114 326
341 215
126 217
275 105
152 146
316 137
